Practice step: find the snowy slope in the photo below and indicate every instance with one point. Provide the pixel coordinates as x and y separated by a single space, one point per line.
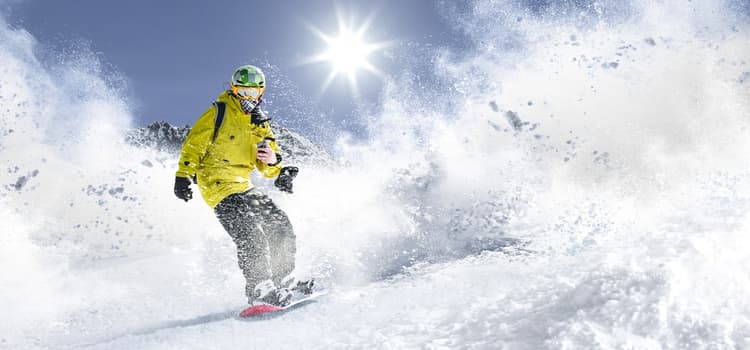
587 190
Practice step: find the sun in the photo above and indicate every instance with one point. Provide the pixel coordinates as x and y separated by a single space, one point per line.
347 52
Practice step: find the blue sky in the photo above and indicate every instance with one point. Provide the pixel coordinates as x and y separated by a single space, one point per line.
178 55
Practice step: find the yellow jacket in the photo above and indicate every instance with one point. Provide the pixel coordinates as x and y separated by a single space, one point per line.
223 166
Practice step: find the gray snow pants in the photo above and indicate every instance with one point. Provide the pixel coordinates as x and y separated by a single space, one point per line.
265 240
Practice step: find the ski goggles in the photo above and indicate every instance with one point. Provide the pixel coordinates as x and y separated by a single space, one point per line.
248 92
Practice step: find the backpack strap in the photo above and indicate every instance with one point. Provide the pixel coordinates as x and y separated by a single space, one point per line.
221 107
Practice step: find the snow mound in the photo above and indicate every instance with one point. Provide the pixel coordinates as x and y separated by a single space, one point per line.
582 187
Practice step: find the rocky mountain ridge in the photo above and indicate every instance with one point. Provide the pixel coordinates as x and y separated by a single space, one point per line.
165 137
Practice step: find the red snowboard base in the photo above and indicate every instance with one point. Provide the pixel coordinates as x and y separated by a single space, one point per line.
255 310
262 309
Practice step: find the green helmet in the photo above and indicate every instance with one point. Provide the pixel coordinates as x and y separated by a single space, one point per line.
248 76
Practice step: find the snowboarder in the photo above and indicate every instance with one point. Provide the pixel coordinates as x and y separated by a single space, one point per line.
228 141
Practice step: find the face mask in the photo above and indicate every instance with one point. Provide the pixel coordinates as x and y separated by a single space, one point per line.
248 105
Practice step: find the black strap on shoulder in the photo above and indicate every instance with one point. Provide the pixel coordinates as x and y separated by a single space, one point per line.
258 117
221 107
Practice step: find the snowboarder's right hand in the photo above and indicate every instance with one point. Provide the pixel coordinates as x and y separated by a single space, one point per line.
182 188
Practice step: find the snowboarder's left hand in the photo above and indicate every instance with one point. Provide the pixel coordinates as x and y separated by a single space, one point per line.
267 155
284 181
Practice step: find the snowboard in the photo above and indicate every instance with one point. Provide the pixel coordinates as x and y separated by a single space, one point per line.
266 309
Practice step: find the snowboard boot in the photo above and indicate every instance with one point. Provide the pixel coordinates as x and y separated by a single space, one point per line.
266 292
295 285
305 287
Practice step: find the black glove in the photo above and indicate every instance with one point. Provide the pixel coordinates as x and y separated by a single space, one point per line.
182 188
284 181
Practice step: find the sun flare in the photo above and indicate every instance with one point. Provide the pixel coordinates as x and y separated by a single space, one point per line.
347 53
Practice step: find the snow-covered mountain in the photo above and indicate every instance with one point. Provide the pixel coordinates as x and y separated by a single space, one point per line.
164 137
586 190
159 136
